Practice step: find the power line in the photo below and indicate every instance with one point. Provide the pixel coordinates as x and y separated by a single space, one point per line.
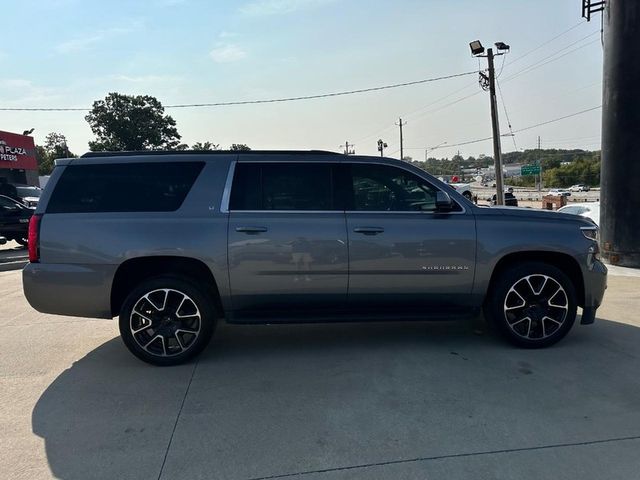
526 69
548 41
557 119
549 58
414 112
469 142
506 114
511 63
255 102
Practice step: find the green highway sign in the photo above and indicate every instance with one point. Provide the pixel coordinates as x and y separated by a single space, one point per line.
530 170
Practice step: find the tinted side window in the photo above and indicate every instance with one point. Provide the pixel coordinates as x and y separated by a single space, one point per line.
387 188
123 187
282 186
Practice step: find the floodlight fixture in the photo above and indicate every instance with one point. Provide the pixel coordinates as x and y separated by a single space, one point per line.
476 47
502 46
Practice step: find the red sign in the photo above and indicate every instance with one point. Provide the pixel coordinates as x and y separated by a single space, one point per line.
17 151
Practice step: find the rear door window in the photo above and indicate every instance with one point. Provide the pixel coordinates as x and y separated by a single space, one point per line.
283 186
123 187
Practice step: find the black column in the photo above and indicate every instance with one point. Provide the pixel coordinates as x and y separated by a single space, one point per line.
620 177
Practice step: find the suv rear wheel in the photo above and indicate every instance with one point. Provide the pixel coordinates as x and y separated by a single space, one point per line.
167 320
533 304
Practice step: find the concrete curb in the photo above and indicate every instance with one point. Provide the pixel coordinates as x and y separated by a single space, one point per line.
13 265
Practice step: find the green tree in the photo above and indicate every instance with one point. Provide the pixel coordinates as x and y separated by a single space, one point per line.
127 122
239 147
205 146
55 146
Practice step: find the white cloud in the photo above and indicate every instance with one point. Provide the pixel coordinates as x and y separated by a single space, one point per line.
227 53
144 78
170 3
279 7
78 44
81 43
225 34
15 83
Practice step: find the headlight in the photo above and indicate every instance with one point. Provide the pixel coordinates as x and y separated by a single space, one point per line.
590 232
594 249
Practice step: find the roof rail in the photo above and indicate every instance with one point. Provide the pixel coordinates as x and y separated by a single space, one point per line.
203 152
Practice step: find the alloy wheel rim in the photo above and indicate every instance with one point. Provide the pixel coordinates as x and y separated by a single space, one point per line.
536 307
165 322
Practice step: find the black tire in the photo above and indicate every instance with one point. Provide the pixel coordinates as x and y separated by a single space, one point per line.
468 194
174 333
528 319
22 241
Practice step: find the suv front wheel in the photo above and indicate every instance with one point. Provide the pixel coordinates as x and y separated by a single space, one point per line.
167 320
533 304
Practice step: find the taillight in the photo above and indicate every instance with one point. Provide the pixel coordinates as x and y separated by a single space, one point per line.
34 238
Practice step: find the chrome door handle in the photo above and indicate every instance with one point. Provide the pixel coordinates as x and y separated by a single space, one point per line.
251 230
369 230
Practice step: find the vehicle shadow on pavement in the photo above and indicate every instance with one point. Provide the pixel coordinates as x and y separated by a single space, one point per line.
274 400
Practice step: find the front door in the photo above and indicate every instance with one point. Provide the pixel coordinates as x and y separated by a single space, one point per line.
404 255
287 240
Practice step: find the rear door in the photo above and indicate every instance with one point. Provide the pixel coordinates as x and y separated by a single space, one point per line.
287 239
404 255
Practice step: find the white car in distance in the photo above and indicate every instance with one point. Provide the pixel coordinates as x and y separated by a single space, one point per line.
559 192
590 210
579 188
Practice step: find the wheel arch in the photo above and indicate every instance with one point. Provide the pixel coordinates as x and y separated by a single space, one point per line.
565 262
135 270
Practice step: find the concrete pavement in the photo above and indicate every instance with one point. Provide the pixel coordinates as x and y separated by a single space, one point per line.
321 402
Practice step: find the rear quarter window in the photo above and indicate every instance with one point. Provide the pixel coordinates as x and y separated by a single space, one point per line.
123 187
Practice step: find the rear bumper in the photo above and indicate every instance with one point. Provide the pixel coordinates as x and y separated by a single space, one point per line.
64 289
595 284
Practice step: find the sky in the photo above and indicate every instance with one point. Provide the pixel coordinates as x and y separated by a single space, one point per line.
69 53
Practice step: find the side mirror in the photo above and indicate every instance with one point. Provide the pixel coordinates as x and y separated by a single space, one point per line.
443 202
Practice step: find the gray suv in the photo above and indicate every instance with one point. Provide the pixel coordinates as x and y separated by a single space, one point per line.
171 242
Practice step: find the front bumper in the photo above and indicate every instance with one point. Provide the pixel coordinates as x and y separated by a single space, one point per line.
595 284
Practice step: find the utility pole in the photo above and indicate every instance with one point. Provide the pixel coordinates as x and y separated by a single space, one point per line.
346 148
540 165
497 153
619 219
401 124
477 50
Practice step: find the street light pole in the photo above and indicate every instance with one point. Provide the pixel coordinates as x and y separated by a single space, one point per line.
381 146
497 153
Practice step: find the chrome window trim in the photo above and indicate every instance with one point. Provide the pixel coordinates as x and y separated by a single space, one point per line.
401 167
226 193
411 212
287 211
400 212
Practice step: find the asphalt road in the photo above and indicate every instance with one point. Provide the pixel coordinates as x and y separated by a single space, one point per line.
321 402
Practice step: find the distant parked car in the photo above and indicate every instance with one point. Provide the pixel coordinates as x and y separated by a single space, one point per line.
463 188
559 192
579 188
28 194
589 210
14 220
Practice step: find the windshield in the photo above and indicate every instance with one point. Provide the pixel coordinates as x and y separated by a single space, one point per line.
29 192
